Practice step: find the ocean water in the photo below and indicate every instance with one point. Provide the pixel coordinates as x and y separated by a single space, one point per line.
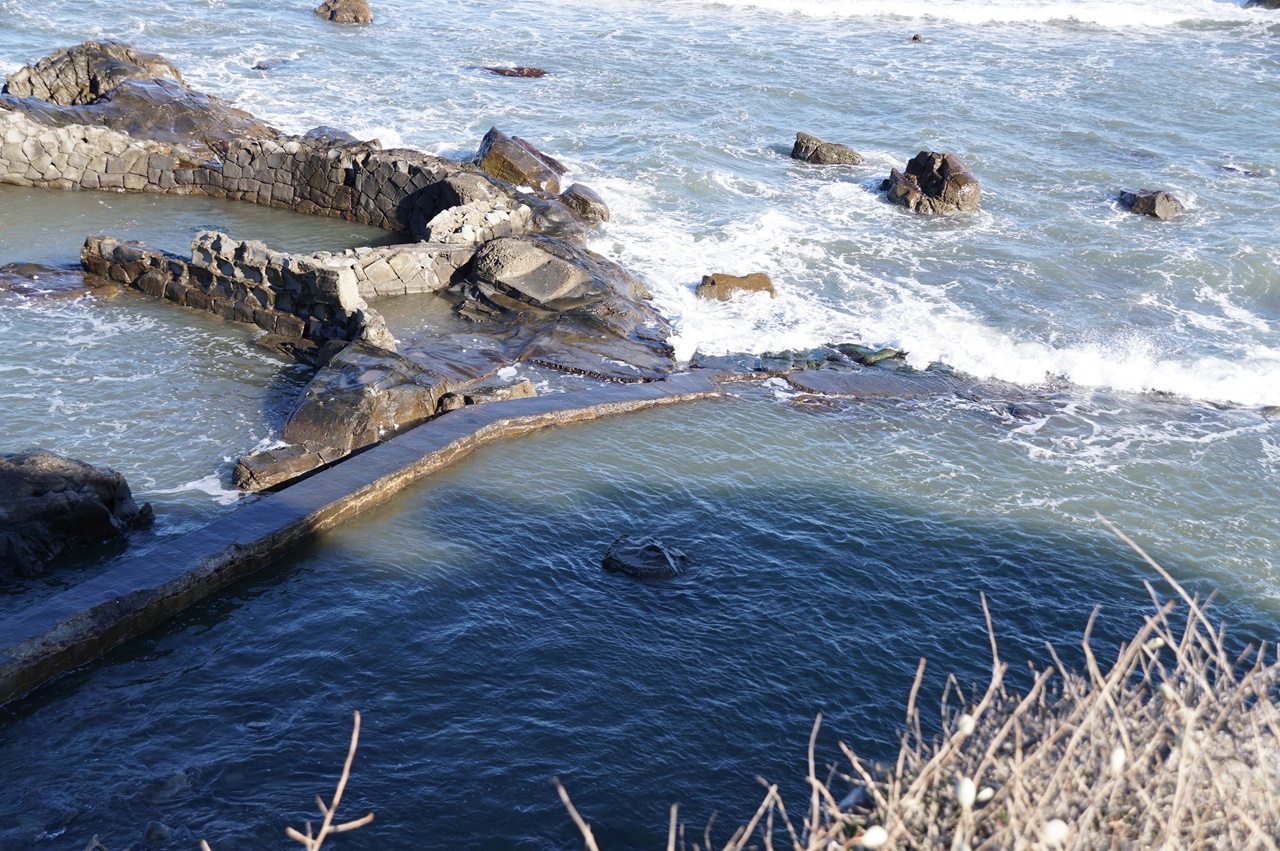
834 543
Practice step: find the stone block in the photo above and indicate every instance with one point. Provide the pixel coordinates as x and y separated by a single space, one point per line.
135 182
199 300
152 283
224 307
111 181
290 326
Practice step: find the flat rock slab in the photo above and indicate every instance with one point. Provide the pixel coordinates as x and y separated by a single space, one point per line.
82 623
873 383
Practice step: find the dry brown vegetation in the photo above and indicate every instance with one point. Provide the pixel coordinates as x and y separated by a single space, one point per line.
1175 746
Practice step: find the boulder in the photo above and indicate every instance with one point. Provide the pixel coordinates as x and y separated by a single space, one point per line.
49 503
1263 4
1147 202
345 11
645 558
811 149
722 287
519 164
84 74
585 203
108 84
480 395
518 71
335 138
934 183
557 304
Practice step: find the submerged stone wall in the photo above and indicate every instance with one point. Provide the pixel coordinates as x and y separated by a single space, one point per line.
399 190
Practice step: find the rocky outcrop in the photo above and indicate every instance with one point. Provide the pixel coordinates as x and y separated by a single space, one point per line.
345 11
111 85
644 558
1155 203
49 503
518 162
295 296
1263 4
722 287
557 304
811 149
363 395
934 183
485 394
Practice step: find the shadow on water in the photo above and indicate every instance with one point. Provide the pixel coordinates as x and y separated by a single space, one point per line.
470 621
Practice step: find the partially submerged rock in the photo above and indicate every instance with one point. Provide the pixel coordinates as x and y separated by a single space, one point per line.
1263 4
585 203
811 149
518 162
517 71
487 393
645 558
1158 204
934 183
49 503
874 383
722 287
345 11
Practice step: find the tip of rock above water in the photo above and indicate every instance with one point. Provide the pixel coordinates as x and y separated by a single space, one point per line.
645 557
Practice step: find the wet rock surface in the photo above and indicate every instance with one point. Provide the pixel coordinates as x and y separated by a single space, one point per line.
517 71
811 149
585 203
49 503
518 162
80 75
934 183
645 557
1158 204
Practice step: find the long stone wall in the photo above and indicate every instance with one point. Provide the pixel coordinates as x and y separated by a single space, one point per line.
426 197
143 591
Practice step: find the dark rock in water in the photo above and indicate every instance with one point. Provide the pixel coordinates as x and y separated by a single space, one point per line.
879 355
859 801
518 71
811 149
156 833
300 349
30 270
516 163
585 203
873 383
270 64
84 74
1271 412
917 38
645 558
934 183
1263 4
1243 172
1156 203
49 503
345 11
722 287
108 84
485 393
562 306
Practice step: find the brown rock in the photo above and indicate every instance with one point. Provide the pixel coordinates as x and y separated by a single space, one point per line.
811 149
934 183
585 203
509 160
81 75
345 11
722 287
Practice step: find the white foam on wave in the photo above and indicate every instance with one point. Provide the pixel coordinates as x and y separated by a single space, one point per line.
822 299
1105 13
211 485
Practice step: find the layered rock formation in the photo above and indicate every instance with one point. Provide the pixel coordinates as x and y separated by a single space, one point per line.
934 183
49 503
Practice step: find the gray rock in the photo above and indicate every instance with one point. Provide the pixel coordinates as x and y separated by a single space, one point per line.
518 164
49 503
873 383
332 136
1155 203
485 393
517 71
585 203
811 149
934 183
645 558
722 287
1263 4
346 11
